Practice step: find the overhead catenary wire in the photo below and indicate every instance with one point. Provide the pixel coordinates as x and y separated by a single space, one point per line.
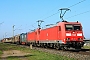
76 3
52 10
51 15
79 14
18 28
1 23
68 7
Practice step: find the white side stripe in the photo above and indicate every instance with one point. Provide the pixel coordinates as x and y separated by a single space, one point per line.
79 34
68 34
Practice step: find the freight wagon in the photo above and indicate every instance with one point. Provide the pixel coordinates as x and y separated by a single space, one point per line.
23 38
16 39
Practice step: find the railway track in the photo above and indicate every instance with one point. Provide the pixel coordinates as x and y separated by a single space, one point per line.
83 54
79 55
82 51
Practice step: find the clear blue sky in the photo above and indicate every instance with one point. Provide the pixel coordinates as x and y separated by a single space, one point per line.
24 14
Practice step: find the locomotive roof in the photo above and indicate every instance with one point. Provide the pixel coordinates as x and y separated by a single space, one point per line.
68 23
58 24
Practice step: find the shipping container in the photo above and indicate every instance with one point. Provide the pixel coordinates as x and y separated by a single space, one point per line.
23 38
17 39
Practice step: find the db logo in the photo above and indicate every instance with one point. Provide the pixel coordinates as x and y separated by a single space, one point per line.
73 34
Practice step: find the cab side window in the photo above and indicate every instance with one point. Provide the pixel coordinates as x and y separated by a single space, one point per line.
59 28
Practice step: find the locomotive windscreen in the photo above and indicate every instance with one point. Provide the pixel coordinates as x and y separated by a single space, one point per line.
72 27
76 27
69 27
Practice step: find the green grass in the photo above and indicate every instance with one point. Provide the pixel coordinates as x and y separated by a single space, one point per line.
47 56
34 54
1 53
86 47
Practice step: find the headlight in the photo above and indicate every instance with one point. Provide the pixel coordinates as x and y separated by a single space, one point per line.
67 39
79 38
79 34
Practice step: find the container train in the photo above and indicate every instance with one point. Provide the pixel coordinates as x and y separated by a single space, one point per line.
63 35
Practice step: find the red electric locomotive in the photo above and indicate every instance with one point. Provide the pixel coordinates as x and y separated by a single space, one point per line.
63 35
31 38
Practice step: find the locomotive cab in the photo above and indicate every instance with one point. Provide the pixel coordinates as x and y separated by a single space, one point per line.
72 34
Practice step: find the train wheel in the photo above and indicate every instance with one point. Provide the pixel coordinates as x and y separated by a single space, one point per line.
34 44
38 44
42 45
57 46
45 45
78 48
64 48
51 45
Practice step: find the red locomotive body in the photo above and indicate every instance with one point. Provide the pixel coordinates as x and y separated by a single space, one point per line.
30 37
48 35
72 34
63 35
